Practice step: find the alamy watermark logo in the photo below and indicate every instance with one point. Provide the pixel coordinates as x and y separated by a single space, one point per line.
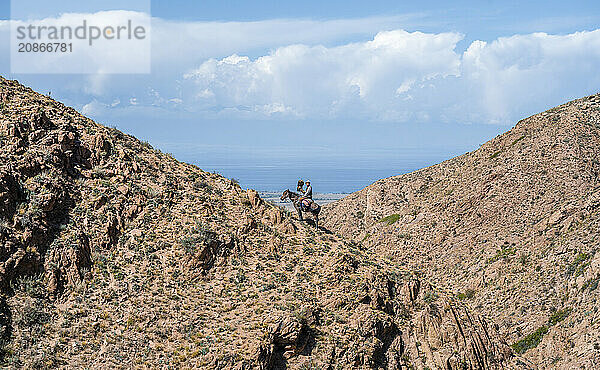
74 40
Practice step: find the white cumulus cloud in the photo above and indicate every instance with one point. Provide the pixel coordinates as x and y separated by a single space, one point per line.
308 69
365 78
405 76
512 75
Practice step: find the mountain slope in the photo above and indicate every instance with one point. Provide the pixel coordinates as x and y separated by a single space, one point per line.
512 227
117 255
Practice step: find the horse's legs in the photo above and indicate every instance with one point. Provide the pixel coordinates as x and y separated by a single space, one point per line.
299 212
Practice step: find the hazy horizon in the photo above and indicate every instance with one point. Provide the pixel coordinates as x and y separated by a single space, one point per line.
336 159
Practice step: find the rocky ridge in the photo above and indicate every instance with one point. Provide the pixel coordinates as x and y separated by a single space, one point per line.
512 228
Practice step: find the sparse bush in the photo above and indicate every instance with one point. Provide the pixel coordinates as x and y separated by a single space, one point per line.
30 285
30 314
31 217
578 266
200 235
152 193
504 252
468 294
4 226
202 185
240 278
430 297
591 284
524 258
267 287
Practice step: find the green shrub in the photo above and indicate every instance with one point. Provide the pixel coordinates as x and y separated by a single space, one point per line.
239 279
517 140
559 316
495 154
391 219
530 341
524 259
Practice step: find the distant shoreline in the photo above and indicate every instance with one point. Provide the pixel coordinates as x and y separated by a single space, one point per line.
320 198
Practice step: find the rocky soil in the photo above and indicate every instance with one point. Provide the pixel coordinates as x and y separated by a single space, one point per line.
511 228
115 255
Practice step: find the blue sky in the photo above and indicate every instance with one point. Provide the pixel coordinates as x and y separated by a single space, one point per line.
379 87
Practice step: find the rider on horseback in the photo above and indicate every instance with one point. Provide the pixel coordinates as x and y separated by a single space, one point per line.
303 203
306 199
308 192
300 186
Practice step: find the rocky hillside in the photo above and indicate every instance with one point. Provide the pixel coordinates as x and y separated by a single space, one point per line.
512 228
114 254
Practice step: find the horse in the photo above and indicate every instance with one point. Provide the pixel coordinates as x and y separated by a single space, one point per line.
295 198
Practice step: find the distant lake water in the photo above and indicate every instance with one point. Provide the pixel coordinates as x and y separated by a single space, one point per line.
324 180
327 175
337 156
